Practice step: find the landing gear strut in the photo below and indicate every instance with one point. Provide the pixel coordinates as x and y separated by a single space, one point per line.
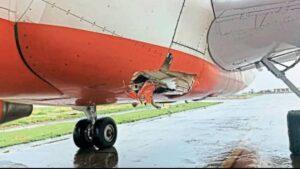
91 132
293 117
270 64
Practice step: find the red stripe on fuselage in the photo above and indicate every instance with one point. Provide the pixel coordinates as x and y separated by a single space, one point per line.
96 68
16 81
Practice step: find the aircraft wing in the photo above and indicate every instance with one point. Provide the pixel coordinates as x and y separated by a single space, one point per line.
246 31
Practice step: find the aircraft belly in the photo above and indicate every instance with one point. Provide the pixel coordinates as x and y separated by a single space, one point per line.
98 68
89 51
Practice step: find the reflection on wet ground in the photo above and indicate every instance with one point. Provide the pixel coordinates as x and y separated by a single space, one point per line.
238 133
8 164
93 158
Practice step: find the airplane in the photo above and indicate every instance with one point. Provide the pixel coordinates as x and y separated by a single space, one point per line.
82 54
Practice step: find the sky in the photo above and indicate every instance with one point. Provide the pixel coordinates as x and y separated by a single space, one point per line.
266 80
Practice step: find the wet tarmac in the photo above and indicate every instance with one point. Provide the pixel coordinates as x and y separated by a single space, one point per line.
198 138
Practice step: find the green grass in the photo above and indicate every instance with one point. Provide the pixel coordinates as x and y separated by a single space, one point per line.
51 131
35 134
146 114
46 114
248 96
242 96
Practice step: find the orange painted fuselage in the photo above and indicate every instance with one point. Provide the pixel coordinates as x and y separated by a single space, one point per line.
55 65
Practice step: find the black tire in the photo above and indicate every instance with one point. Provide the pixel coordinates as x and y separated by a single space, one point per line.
102 132
81 134
293 120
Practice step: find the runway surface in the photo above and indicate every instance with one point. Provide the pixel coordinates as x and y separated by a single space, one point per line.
197 138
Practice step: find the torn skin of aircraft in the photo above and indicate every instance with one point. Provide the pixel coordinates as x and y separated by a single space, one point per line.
57 53
172 84
93 68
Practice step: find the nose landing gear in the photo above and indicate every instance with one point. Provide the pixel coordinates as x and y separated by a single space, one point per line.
90 132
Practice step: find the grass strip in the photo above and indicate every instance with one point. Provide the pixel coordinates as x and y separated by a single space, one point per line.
51 131
47 114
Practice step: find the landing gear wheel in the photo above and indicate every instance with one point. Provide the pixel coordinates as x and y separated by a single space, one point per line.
82 134
105 133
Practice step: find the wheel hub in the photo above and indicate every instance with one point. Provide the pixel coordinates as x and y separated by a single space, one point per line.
109 133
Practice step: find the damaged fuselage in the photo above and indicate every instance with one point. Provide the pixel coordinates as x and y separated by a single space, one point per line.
98 52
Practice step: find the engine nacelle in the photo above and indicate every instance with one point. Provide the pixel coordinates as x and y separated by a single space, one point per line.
14 111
